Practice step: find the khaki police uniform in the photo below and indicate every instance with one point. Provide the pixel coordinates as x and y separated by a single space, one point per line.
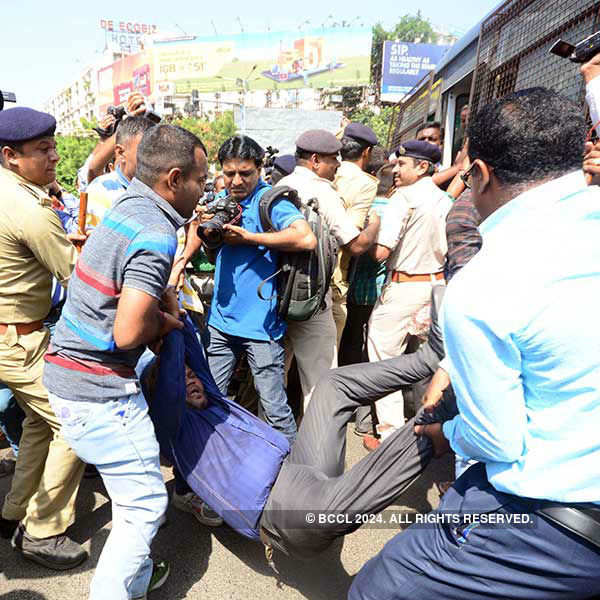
357 189
314 342
33 248
413 226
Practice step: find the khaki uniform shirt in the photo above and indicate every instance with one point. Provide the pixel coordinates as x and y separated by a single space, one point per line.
413 226
358 190
331 206
33 248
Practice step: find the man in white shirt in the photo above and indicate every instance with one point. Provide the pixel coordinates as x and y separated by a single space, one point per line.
413 242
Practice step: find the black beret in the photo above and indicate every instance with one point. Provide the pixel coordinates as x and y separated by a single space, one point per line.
21 124
286 163
361 133
420 151
318 141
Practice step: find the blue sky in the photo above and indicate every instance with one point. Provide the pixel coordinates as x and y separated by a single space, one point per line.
46 44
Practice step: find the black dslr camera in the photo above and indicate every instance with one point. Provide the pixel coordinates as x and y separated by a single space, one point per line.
269 162
581 52
118 112
225 211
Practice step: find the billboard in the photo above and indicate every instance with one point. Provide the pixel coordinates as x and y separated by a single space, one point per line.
126 36
404 65
325 57
133 72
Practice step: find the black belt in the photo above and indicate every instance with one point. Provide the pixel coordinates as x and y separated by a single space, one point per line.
584 522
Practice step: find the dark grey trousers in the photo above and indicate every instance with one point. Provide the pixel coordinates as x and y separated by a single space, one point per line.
312 478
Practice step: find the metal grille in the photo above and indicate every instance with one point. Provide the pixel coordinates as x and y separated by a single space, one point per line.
514 43
408 115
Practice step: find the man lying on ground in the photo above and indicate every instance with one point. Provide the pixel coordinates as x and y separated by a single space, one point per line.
311 478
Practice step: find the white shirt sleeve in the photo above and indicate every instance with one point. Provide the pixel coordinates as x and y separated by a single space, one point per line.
592 97
392 223
340 223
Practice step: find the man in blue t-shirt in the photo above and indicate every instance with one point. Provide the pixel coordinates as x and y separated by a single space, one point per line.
239 320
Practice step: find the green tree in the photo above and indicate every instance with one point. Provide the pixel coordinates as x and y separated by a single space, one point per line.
378 122
73 151
212 133
410 28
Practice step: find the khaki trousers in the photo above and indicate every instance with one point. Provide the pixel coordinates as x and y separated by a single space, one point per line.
48 472
340 312
391 323
313 342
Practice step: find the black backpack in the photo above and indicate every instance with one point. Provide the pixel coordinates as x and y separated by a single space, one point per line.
303 278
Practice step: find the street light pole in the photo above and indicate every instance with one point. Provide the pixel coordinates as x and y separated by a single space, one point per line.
245 88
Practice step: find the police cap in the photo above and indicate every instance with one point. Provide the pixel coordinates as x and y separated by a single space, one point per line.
318 141
361 133
21 124
420 151
286 163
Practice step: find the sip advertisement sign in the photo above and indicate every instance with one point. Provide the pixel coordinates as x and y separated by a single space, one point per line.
404 65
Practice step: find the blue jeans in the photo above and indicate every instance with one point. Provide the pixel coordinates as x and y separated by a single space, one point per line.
267 363
118 437
466 561
11 418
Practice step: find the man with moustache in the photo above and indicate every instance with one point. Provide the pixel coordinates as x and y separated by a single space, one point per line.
34 248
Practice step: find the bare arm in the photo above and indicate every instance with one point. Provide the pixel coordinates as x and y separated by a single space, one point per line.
139 320
365 240
441 178
295 238
101 156
379 253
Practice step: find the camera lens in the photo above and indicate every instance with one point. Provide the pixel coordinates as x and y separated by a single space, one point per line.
211 234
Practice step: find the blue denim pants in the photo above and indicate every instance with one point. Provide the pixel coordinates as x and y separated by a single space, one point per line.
471 561
11 418
267 363
118 437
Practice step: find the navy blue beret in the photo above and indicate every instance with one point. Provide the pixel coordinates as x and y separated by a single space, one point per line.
361 133
286 163
420 151
318 141
21 124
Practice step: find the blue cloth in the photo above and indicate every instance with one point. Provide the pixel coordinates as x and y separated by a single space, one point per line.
522 337
21 123
461 561
11 418
228 457
236 307
69 216
267 363
118 437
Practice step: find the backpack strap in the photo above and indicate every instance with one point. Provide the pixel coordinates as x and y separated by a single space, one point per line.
262 283
272 195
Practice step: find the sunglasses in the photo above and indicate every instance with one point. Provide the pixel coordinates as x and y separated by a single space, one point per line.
466 176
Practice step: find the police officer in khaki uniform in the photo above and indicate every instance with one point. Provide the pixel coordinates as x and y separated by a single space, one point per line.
33 248
314 342
357 189
412 241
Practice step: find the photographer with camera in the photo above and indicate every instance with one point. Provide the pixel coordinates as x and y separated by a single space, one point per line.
104 190
239 321
103 154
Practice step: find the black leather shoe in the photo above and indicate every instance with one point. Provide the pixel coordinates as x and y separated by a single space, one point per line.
7 528
57 552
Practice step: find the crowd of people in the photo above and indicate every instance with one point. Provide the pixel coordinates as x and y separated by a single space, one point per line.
466 293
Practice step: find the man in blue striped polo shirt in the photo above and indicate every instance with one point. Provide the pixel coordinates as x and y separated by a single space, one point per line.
117 304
